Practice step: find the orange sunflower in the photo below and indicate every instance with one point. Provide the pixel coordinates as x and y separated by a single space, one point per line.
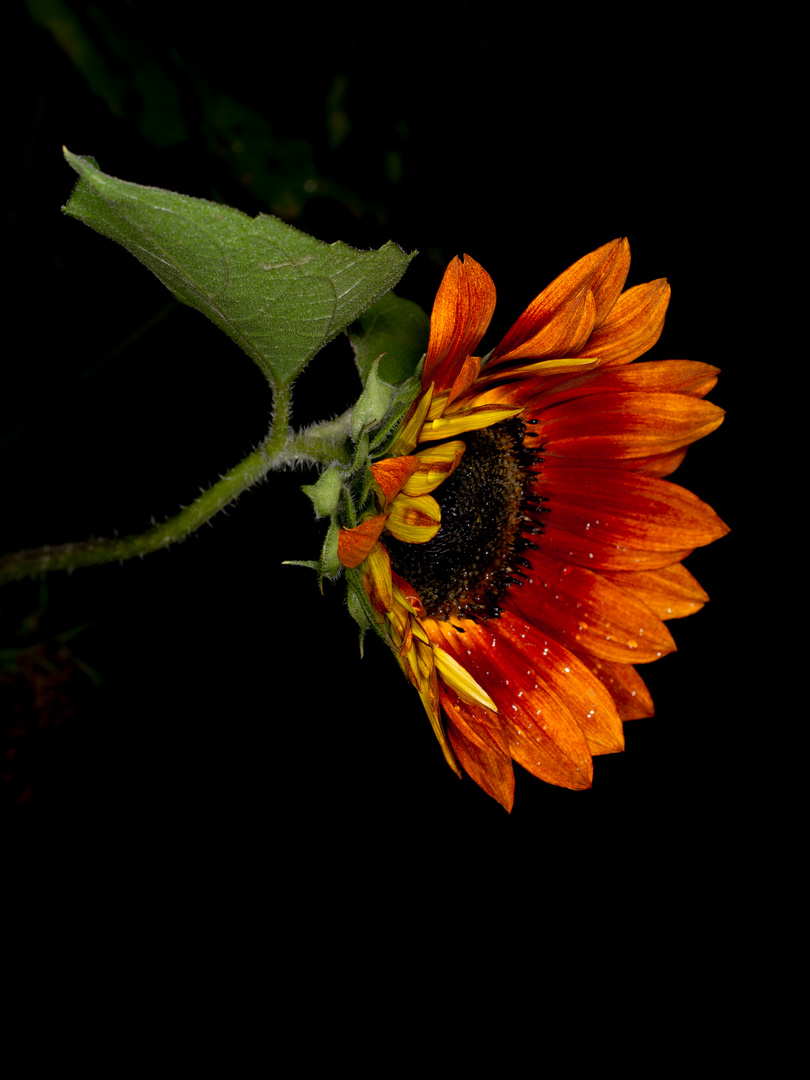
524 549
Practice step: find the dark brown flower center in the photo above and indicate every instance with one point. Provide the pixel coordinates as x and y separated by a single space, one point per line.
467 567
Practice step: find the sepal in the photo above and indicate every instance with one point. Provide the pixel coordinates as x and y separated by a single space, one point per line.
373 404
324 494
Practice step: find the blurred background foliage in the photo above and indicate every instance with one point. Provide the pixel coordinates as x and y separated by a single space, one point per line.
525 140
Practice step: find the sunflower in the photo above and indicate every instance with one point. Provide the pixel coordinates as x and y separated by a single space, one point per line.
525 549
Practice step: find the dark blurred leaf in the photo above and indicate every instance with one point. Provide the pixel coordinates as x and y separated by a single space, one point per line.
400 329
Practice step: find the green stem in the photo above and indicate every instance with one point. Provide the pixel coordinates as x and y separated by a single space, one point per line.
317 445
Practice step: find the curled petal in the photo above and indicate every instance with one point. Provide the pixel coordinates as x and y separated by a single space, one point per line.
434 466
414 520
459 679
392 474
410 430
377 579
355 544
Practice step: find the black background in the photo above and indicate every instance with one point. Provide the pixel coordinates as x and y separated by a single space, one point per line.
235 727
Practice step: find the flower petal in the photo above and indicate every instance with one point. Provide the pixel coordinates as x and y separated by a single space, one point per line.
633 326
434 466
587 613
459 679
414 520
355 544
625 686
466 419
602 273
650 377
391 475
543 735
670 591
587 699
377 579
625 511
481 757
461 314
625 425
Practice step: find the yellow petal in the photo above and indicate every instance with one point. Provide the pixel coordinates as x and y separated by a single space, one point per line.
435 465
414 520
466 419
460 680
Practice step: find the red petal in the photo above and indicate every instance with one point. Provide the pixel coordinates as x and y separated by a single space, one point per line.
587 613
625 686
543 735
633 512
624 425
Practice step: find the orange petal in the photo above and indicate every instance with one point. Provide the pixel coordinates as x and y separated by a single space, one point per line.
602 272
461 314
469 372
579 549
573 683
563 335
354 545
625 425
633 326
655 376
671 591
391 474
489 765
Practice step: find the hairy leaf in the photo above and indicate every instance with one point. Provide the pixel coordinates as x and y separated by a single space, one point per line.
279 294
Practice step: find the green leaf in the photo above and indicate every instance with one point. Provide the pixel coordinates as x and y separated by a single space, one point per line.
279 294
400 329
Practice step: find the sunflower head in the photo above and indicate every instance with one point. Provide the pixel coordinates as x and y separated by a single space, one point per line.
506 526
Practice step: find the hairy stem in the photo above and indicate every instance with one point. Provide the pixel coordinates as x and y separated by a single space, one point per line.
317 445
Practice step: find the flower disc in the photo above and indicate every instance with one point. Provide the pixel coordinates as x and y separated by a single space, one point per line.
465 569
